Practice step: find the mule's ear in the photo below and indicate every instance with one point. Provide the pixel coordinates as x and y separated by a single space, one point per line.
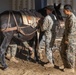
59 5
54 5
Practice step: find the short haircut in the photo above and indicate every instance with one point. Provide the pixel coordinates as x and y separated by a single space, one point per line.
68 7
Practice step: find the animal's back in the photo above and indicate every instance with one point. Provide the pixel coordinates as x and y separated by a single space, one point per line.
7 17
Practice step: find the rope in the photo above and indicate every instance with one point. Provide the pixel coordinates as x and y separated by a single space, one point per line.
9 20
15 20
17 28
12 28
28 34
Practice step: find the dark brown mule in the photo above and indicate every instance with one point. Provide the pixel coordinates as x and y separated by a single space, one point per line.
13 19
11 25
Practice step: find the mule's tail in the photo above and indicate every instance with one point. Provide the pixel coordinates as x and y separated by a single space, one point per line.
1 35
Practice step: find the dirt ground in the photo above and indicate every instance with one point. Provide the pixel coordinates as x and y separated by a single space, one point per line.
25 67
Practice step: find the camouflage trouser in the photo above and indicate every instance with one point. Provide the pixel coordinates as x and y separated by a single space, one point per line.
12 49
26 44
48 48
42 44
68 55
71 55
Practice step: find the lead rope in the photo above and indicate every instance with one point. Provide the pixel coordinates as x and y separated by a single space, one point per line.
9 20
18 28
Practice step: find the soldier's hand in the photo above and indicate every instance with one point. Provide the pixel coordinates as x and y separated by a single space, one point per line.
66 42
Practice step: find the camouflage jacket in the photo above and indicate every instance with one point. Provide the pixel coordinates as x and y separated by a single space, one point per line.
47 25
70 28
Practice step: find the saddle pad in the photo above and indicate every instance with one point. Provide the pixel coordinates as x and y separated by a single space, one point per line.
25 20
30 20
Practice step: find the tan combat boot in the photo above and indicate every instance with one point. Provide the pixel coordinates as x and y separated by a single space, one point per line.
41 55
49 65
8 56
13 59
69 70
32 54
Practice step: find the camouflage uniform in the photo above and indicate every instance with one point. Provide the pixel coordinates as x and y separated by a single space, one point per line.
47 26
26 44
12 49
68 50
53 32
42 44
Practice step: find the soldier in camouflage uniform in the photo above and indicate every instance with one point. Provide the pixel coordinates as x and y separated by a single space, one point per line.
12 49
41 47
47 27
68 44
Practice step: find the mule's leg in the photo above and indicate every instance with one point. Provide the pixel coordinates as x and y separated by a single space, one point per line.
4 45
36 58
28 55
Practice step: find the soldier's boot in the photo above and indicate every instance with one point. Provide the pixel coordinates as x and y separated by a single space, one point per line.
41 55
40 51
8 56
13 59
69 70
32 51
61 67
49 65
32 54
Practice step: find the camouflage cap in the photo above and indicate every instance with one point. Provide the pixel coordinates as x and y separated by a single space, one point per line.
68 7
50 7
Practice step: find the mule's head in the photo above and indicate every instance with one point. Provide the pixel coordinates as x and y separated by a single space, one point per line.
57 12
